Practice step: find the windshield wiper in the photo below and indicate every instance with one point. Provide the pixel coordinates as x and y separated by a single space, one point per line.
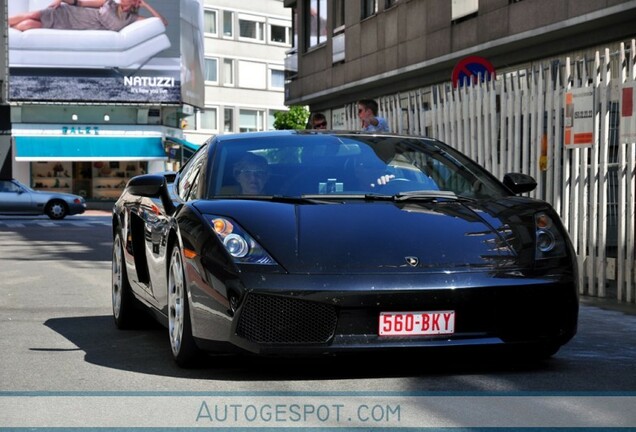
303 199
430 195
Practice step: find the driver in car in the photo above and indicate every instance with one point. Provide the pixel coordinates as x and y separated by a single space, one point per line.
370 172
251 172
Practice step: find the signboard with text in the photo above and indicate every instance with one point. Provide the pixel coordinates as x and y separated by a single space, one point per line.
130 61
579 118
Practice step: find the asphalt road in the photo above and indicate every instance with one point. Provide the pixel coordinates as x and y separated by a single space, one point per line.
58 336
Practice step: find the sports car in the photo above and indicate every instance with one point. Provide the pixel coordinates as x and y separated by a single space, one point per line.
323 242
18 199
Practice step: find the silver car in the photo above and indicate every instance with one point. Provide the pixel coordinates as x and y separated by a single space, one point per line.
18 199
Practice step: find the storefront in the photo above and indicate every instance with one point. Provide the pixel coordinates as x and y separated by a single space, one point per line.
92 161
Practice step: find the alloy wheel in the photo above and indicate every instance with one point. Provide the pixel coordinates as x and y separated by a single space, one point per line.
117 277
176 300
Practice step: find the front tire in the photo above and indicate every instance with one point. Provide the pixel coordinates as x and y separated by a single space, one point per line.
56 210
123 300
184 349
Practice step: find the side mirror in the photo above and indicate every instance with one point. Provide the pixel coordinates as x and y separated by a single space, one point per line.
147 185
152 186
519 183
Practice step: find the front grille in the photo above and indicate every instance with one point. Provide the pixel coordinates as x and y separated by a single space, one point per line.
268 319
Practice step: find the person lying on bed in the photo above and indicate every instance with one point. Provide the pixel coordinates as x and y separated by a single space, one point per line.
84 15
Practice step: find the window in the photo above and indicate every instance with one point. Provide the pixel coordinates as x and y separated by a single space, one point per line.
228 72
316 23
279 34
251 29
188 186
228 120
464 9
189 122
209 24
338 15
277 78
252 75
250 120
389 3
211 70
369 8
295 28
271 118
228 24
208 119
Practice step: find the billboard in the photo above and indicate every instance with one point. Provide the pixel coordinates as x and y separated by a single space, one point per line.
113 53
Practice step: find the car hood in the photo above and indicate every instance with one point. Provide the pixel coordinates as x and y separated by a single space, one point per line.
374 236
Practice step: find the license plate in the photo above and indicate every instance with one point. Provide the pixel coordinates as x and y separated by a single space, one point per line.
416 323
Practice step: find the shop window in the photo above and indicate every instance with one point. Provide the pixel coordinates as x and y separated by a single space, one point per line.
109 178
55 176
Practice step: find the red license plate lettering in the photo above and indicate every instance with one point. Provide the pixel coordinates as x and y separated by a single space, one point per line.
416 323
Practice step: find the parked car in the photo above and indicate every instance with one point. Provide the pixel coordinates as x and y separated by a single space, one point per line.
308 242
18 199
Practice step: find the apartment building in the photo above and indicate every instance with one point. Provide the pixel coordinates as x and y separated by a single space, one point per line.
245 46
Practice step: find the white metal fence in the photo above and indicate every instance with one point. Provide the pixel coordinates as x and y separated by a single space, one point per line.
516 124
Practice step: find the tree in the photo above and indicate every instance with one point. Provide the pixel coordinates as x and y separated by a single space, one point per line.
295 118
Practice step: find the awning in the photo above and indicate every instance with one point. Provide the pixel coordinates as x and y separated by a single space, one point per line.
88 148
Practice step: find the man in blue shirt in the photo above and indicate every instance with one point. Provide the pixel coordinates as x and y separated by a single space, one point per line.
368 114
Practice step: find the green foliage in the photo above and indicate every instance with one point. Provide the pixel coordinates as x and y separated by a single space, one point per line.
295 118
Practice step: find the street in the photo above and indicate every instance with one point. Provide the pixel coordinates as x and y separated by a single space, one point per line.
58 335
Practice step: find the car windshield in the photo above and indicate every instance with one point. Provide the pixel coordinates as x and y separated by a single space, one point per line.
333 165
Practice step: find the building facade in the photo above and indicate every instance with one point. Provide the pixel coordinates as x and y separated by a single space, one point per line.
348 50
245 47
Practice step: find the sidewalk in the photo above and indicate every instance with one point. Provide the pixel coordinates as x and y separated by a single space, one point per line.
609 304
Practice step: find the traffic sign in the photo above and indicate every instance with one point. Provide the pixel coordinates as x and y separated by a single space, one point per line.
470 69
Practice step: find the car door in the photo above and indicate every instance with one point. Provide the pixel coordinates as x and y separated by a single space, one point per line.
158 225
14 198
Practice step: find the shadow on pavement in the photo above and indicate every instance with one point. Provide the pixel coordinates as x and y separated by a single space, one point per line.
147 351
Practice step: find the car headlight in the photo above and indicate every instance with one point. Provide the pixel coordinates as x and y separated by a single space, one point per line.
549 243
239 244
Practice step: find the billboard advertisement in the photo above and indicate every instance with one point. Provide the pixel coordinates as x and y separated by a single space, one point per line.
113 51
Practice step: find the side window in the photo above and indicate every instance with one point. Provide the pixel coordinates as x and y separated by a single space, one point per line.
7 186
189 183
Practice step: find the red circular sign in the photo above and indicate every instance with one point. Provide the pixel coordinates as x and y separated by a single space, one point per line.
470 69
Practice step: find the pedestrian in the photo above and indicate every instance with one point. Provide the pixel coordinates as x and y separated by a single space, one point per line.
317 121
368 114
